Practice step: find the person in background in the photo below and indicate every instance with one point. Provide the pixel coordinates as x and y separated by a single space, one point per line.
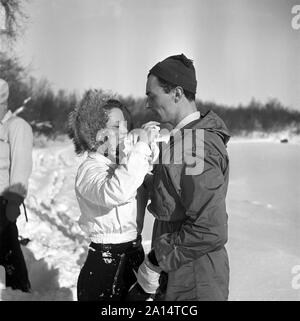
16 141
106 187
187 195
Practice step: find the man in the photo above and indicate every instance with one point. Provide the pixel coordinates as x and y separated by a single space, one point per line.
16 142
187 197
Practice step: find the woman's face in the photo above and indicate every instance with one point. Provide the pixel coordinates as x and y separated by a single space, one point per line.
114 132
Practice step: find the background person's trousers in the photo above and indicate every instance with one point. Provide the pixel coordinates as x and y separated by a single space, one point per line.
11 256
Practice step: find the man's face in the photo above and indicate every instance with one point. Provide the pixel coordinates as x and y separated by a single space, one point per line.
160 102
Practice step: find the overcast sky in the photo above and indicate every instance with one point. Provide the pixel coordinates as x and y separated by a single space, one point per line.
241 48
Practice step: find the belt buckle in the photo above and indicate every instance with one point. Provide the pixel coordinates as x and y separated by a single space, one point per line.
106 247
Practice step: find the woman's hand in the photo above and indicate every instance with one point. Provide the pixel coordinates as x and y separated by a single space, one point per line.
147 134
153 129
138 135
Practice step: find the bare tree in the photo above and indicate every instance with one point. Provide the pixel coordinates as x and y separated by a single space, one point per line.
14 18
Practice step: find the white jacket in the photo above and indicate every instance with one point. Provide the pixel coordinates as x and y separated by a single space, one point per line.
16 140
106 195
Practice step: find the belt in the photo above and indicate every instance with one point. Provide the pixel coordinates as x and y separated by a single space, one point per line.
116 247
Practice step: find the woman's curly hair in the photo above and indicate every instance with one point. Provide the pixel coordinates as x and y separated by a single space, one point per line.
91 115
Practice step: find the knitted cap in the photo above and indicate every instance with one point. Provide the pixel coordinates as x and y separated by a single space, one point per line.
178 70
4 91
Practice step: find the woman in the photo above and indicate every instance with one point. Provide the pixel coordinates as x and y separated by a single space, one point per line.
106 187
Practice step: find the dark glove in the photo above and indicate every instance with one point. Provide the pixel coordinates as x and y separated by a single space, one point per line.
3 220
14 201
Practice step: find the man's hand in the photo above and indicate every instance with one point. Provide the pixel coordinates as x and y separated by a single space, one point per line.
139 135
152 128
148 133
148 276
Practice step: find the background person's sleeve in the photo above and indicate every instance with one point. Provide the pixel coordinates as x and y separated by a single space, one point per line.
21 144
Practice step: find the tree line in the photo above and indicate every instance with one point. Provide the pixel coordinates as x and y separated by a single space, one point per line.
47 111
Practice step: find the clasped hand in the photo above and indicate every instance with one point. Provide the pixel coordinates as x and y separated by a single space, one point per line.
147 134
148 276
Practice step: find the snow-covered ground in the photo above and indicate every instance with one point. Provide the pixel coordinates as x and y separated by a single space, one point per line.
264 222
264 219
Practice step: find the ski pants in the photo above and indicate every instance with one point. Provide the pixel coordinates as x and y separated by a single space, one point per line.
11 256
107 274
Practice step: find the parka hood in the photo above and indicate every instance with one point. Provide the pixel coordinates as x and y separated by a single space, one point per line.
212 122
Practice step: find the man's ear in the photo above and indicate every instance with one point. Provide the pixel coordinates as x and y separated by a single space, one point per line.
178 94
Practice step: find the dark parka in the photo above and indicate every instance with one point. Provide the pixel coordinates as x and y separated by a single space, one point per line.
188 201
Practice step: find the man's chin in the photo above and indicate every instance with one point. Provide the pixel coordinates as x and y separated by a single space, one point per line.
156 116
